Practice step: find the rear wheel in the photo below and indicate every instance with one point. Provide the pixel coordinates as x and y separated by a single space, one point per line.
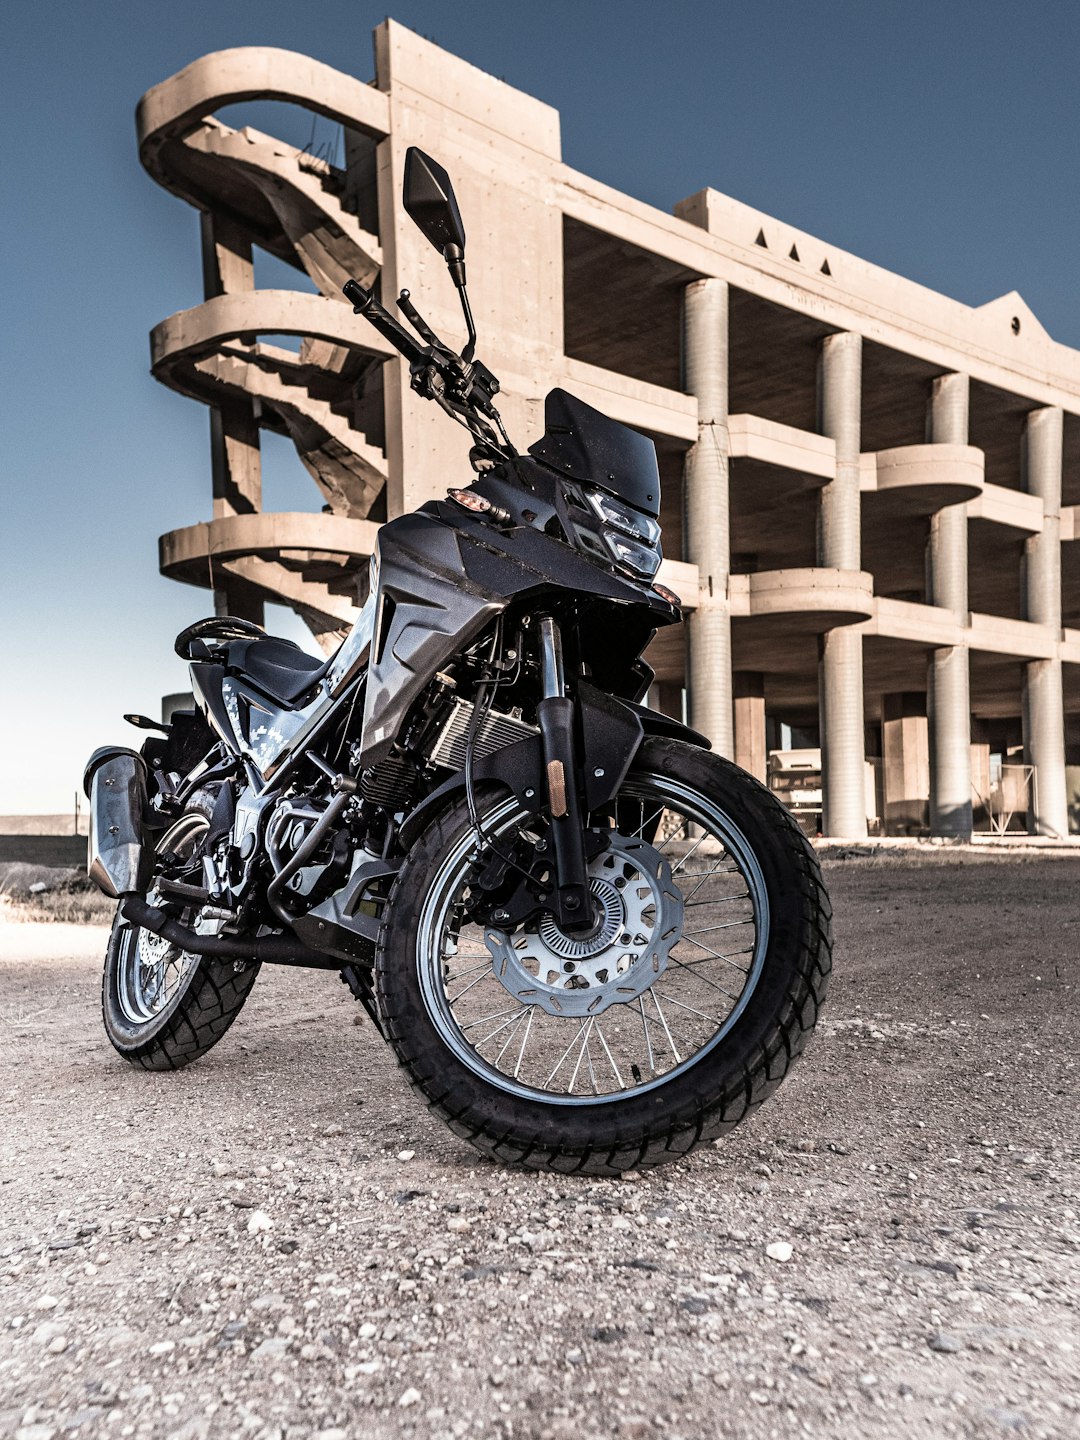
666 1026
162 1006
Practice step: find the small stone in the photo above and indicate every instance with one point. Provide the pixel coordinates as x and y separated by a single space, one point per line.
944 1343
163 1347
332 1130
271 1349
406 1155
1007 1419
35 1432
57 1345
334 1433
367 1331
779 1250
145 1233
46 1332
411 1396
458 1223
258 1221
46 1302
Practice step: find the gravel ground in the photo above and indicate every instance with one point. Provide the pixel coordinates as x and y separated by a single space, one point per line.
280 1242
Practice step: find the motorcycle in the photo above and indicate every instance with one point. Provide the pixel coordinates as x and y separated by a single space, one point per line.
592 943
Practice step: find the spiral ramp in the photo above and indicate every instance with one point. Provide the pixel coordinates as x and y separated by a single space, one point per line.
326 395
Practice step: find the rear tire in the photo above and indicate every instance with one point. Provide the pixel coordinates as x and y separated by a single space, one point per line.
659 1118
163 1008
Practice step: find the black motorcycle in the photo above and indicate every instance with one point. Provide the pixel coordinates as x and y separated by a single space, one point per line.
591 942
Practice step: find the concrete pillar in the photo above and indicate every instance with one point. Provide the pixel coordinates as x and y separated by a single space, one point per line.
840 672
948 683
748 688
1044 719
705 505
905 761
235 458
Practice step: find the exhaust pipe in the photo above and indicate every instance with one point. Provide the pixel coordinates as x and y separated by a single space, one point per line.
117 860
267 949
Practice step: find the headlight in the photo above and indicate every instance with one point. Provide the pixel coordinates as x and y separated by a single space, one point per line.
623 517
630 538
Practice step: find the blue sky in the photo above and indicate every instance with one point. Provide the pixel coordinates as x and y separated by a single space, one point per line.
937 139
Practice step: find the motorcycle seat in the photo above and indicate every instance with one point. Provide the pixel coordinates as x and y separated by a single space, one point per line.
278 667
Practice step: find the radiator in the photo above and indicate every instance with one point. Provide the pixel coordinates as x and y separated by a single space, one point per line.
495 731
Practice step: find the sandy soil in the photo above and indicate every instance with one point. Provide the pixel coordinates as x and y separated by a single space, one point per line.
281 1242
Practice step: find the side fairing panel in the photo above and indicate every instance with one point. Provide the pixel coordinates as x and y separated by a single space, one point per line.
428 612
263 731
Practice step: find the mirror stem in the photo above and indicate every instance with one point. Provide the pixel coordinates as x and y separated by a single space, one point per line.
470 345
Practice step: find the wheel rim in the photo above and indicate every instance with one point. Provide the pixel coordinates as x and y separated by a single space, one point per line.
151 973
636 1044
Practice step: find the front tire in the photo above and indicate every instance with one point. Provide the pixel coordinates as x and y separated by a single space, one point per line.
649 1069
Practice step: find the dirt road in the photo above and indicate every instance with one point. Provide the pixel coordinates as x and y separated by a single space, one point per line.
280 1242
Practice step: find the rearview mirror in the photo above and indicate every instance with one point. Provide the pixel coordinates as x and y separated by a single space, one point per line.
431 204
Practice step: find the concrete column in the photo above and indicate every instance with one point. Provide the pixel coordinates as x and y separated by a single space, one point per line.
749 707
905 762
840 672
235 458
947 683
706 520
1044 718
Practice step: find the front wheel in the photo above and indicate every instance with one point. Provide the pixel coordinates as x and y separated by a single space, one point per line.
666 1026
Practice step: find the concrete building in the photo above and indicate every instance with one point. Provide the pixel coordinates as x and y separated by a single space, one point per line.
871 492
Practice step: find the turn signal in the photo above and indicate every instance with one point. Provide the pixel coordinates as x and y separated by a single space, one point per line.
668 595
470 500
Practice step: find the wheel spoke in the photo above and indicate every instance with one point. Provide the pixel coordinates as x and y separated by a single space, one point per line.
510 1038
708 929
716 954
705 979
452 1001
711 1018
524 1041
648 1037
611 1058
585 1028
663 1022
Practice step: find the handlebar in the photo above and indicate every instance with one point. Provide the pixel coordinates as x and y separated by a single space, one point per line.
364 303
461 386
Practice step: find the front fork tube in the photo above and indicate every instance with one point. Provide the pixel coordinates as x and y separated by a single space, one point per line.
571 902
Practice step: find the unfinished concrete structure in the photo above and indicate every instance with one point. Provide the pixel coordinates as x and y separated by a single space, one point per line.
871 491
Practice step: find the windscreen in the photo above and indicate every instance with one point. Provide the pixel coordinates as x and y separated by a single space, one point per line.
585 445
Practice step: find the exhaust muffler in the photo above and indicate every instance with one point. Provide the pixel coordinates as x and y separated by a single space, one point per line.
117 859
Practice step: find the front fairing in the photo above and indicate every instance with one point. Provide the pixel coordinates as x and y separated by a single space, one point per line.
444 576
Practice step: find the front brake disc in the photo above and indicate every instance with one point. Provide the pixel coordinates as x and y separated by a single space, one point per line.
640 919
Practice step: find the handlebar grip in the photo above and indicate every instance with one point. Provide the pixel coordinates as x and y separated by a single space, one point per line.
354 291
364 303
